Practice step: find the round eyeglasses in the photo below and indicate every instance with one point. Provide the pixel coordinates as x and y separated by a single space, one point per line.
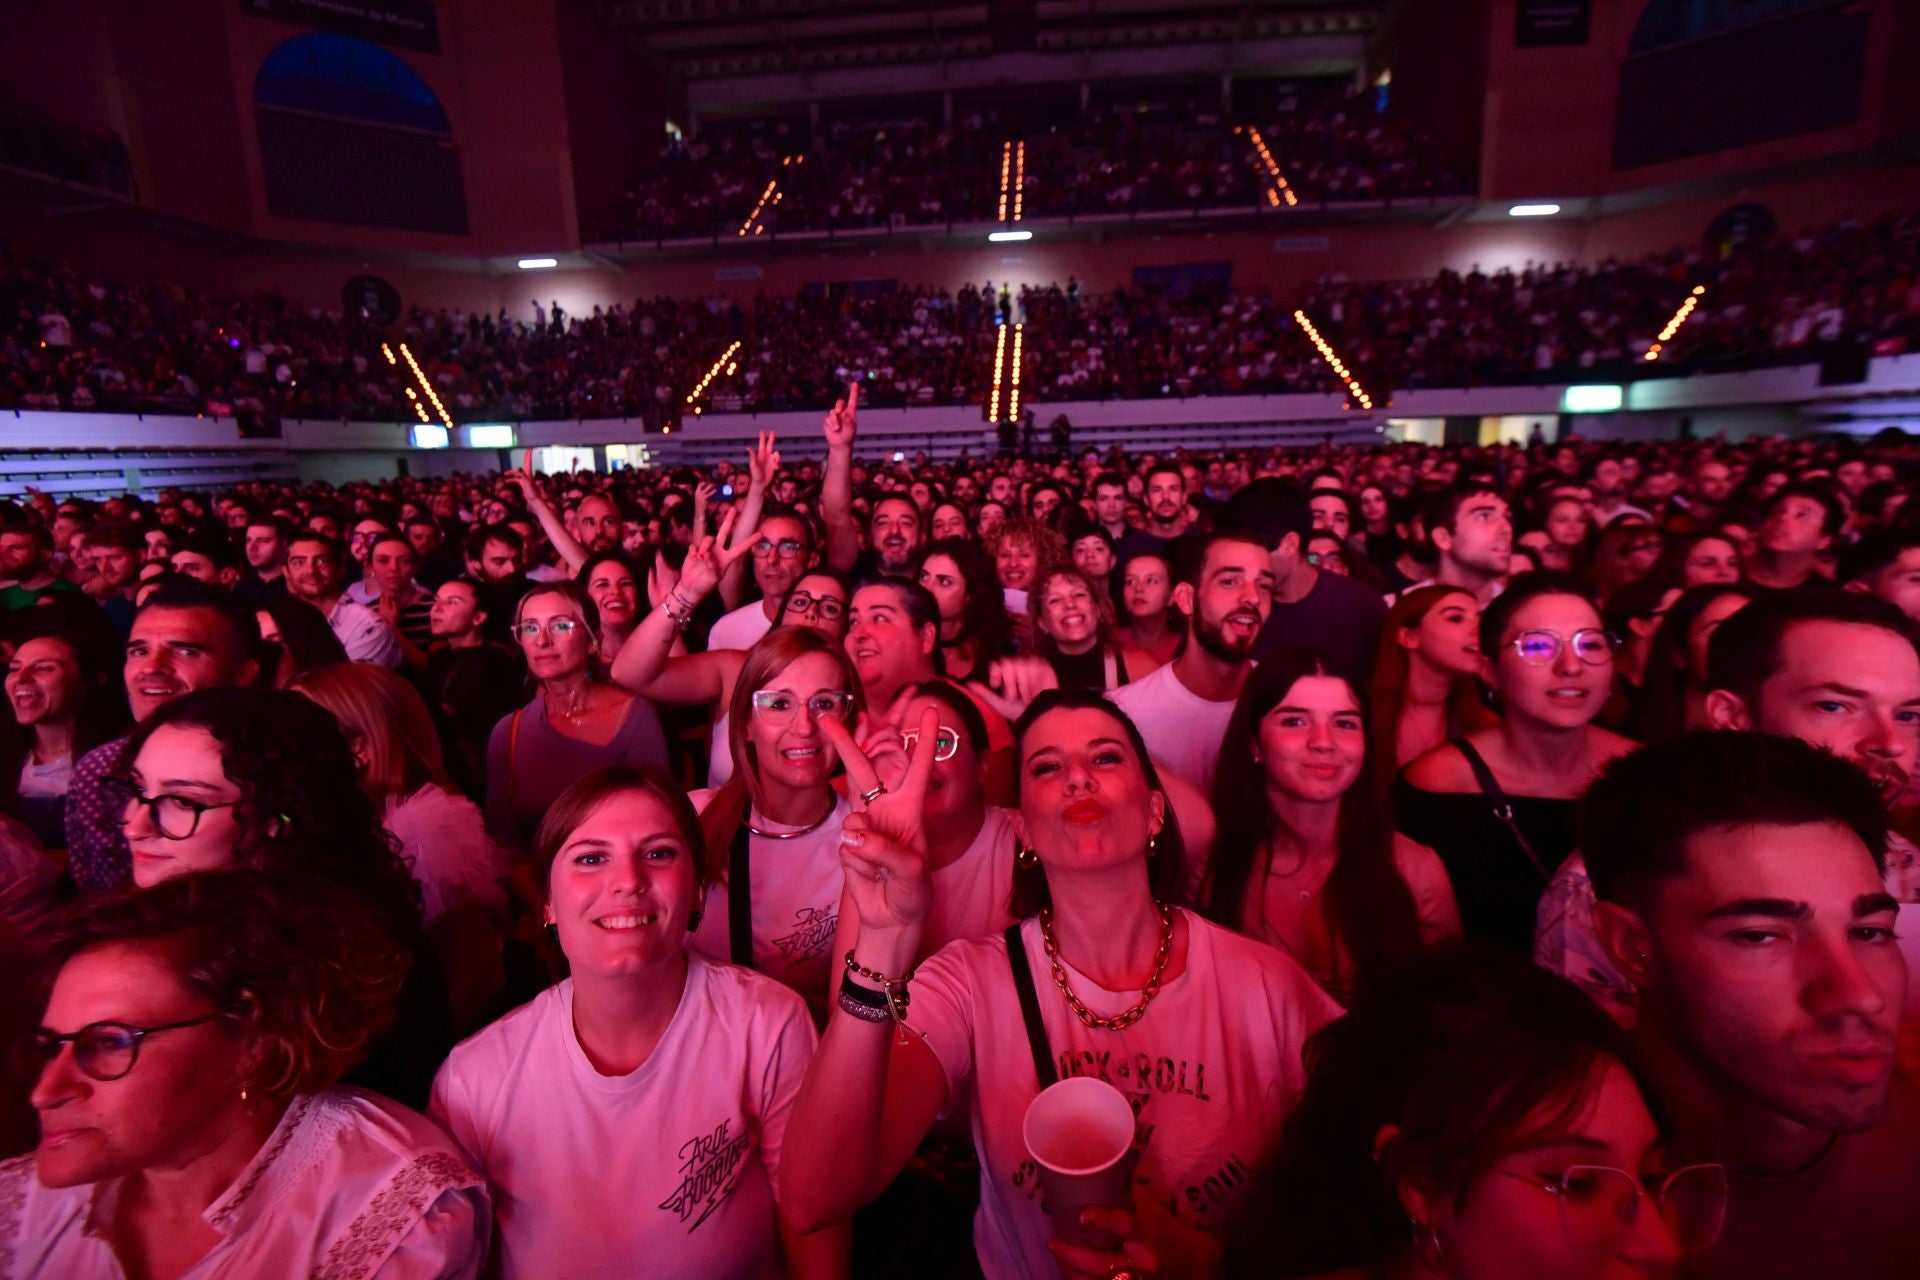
831 608
777 706
1539 648
558 628
102 1050
1600 1205
946 741
174 817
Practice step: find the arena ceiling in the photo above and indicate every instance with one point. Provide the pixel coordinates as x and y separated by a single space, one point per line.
719 40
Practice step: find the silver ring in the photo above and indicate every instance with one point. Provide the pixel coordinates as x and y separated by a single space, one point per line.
879 789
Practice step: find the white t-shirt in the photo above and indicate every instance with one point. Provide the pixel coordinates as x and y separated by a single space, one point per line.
666 1171
719 753
364 634
346 1177
1179 727
742 628
1212 1070
796 904
971 894
49 779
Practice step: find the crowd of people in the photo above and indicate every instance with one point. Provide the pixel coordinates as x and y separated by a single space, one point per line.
1164 152
1470 862
77 341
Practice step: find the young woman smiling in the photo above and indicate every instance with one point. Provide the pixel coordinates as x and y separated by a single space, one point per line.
1073 635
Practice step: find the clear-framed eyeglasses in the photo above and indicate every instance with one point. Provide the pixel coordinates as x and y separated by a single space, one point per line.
1599 1205
1541 648
946 741
777 706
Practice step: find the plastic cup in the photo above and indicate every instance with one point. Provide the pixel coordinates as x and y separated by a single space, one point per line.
1080 1135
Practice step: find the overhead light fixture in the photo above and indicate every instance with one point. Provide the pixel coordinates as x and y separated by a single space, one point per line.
1593 398
490 435
1002 237
1544 210
538 264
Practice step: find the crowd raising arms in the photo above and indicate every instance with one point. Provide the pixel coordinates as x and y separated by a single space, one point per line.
1016 772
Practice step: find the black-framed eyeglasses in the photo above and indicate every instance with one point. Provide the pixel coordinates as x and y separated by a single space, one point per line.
786 547
946 741
102 1050
1590 644
831 607
174 817
1599 1205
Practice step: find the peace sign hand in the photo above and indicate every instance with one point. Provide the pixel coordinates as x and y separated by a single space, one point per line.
763 463
839 426
883 845
708 560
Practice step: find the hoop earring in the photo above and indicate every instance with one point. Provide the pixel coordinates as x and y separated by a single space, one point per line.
1426 1243
1025 858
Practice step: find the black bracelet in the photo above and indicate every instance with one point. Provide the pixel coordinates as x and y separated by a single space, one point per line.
851 990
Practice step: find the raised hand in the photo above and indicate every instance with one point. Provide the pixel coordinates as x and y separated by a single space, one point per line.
883 843
763 462
1012 683
523 482
703 494
662 578
839 426
708 559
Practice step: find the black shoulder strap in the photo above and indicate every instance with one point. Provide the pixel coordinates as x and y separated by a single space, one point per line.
740 899
1043 1068
1502 807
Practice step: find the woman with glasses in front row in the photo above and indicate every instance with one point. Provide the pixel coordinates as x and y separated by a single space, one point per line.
1475 1118
1497 804
774 829
647 665
186 1072
576 722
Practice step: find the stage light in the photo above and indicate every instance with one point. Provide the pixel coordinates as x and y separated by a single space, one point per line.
1278 191
999 371
430 436
538 264
1691 301
772 195
1354 389
1004 237
1598 398
1013 396
1542 210
420 375
726 362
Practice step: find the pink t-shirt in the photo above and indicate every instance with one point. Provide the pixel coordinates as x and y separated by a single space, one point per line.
971 894
666 1171
1212 1070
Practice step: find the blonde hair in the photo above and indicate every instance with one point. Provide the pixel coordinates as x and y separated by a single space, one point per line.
390 718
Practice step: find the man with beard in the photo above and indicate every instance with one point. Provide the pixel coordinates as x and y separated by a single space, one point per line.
313 575
1167 515
1182 708
1471 528
1836 670
782 554
1740 886
266 540
187 638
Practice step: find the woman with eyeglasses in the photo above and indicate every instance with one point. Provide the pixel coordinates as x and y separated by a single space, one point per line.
1072 633
264 779
1497 804
1474 1118
1201 1026
613 583
651 1073
192 1123
774 828
974 627
576 722
648 666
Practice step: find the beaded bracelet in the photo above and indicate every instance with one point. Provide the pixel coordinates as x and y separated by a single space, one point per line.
892 990
879 979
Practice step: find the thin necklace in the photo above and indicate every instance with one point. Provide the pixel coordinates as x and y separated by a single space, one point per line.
1126 1017
1291 872
788 835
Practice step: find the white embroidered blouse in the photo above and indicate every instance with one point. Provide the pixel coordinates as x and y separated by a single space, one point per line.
348 1186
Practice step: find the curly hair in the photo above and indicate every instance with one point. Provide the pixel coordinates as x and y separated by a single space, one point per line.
984 621
311 979
1049 547
303 812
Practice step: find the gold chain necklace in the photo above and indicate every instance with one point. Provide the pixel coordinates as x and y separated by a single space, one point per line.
1126 1017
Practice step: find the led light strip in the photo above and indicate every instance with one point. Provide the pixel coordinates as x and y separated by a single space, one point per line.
418 408
1019 187
1006 176
1328 354
1002 383
725 363
420 375
1673 325
1279 190
772 193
